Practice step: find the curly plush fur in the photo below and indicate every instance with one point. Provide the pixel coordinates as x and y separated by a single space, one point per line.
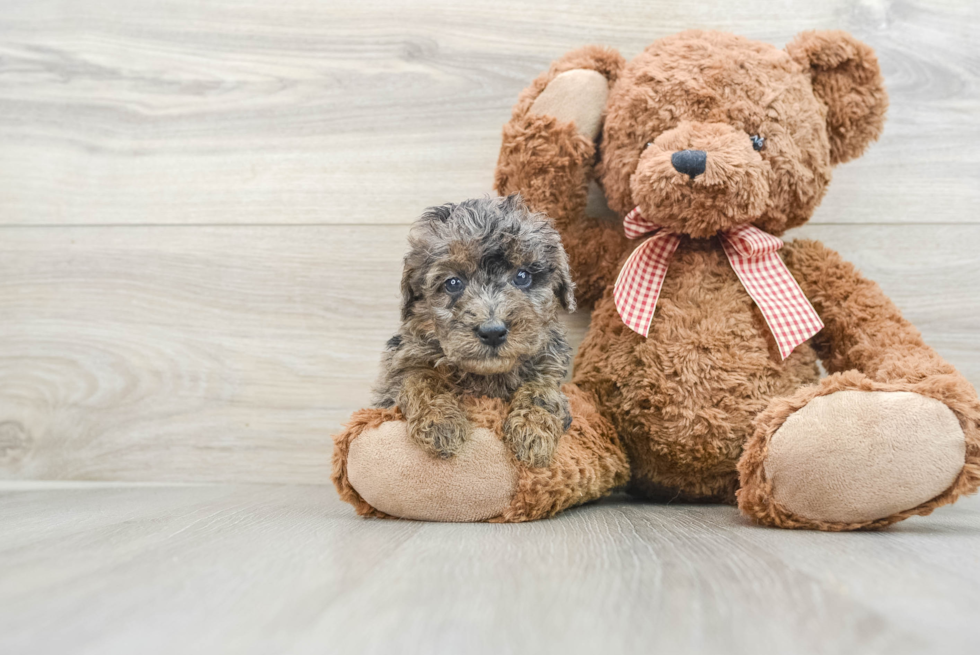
588 463
508 271
707 386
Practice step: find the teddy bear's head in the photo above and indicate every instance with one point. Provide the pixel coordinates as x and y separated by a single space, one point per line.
706 130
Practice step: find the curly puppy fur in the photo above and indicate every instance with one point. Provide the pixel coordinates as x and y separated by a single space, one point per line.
686 399
483 285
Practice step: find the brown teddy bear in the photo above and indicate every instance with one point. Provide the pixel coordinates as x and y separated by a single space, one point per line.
701 359
709 142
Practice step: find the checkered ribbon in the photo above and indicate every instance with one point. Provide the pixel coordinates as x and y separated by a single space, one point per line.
752 254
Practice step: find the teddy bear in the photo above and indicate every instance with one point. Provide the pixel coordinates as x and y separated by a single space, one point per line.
706 142
698 379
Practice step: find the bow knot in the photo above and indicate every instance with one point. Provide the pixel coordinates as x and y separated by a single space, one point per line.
752 255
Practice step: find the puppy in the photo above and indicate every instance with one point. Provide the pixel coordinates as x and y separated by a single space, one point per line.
483 285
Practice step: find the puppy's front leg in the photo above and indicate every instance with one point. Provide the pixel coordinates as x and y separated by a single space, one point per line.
436 421
539 415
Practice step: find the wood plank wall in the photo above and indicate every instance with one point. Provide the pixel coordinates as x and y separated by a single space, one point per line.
203 205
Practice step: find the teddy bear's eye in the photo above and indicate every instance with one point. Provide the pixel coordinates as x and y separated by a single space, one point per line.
758 142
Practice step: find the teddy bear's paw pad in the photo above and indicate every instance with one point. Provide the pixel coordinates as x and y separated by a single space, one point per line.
577 96
394 475
856 456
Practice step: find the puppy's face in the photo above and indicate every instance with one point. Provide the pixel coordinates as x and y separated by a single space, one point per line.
486 279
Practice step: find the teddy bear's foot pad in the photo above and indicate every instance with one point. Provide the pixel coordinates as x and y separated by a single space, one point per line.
395 476
859 456
382 472
578 96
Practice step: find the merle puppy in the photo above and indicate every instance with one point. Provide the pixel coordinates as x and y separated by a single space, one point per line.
482 288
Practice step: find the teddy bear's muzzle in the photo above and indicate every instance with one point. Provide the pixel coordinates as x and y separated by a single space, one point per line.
700 178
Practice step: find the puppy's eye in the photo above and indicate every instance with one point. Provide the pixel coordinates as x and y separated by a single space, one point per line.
522 279
454 285
758 142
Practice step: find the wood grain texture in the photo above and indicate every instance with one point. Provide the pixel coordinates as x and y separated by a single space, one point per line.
290 569
232 353
301 111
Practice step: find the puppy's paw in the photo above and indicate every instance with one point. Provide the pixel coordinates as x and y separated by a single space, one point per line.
440 430
564 412
532 432
555 402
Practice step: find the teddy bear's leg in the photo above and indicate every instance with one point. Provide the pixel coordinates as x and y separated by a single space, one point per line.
894 432
382 472
547 156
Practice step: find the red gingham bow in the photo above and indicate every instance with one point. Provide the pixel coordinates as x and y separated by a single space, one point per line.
752 254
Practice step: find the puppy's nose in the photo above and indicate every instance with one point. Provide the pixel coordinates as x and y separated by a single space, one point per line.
492 334
689 162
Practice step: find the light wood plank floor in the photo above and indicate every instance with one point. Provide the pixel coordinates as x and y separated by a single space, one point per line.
290 569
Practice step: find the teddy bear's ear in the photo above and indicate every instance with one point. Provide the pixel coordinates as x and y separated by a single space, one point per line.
847 79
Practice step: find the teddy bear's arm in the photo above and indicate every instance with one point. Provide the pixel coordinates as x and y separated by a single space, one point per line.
550 165
547 156
864 330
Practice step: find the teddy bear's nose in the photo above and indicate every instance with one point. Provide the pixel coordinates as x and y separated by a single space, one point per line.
689 162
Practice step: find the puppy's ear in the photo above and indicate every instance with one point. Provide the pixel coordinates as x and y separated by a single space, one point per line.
564 287
513 203
415 268
846 77
439 213
410 293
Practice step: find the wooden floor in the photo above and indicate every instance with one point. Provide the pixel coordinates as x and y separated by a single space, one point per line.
203 206
290 569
